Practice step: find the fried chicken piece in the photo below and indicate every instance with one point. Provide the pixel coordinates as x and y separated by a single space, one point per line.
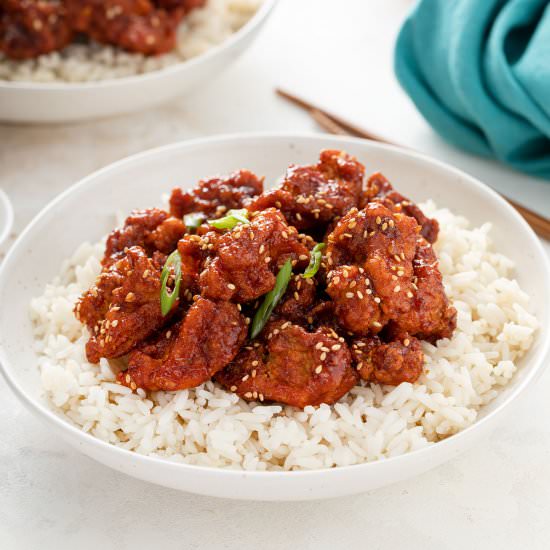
370 254
292 366
214 196
430 317
299 299
388 363
152 229
312 196
134 25
29 28
183 6
379 189
123 307
190 353
245 260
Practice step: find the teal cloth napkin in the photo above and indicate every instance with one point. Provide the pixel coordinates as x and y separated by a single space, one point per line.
479 72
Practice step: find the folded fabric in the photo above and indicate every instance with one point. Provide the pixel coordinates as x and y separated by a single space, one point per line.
479 72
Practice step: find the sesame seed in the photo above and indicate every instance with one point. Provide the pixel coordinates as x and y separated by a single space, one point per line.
397 288
245 378
348 235
253 373
352 224
130 297
378 220
369 291
409 294
133 386
231 286
278 204
352 284
255 363
359 366
336 347
318 345
284 234
299 216
262 249
283 326
128 379
360 295
384 226
360 344
233 388
318 369
377 324
350 294
255 395
323 356
377 300
336 280
239 307
365 234
394 277
406 342
296 296
248 395
397 258
267 259
261 396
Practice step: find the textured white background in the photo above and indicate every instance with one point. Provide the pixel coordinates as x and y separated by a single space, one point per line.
495 496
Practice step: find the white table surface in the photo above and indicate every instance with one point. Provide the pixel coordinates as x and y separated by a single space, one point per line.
495 496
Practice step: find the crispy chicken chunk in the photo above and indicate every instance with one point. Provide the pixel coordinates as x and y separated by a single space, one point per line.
299 299
29 28
370 255
388 363
151 229
123 307
292 366
430 316
381 190
191 352
244 261
311 196
214 196
134 25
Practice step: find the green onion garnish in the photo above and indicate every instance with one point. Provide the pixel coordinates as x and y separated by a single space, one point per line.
271 299
315 257
167 298
233 218
193 221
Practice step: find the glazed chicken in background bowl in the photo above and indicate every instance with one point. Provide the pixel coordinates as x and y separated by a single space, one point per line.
65 60
285 326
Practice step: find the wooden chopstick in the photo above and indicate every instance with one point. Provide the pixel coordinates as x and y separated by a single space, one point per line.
335 125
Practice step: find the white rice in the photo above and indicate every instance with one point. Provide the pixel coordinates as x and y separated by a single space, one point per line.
200 31
213 427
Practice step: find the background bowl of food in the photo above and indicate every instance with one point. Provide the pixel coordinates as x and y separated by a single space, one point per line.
121 58
216 440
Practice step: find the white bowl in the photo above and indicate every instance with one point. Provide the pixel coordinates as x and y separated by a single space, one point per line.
33 102
6 216
85 212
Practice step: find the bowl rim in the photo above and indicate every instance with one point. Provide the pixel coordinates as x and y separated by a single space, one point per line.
42 410
7 207
255 21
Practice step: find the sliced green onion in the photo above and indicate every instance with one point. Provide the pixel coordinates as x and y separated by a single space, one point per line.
271 299
315 257
194 220
167 297
233 218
